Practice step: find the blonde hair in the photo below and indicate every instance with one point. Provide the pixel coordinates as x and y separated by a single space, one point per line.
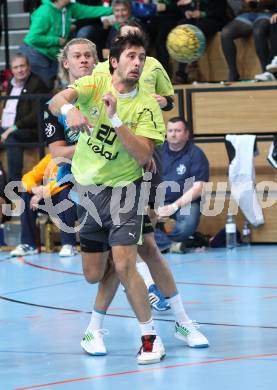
63 55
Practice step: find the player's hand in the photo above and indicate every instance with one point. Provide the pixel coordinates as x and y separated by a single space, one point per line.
151 166
161 100
34 202
77 121
166 211
110 103
38 190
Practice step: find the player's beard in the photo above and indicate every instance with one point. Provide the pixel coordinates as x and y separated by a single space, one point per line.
130 82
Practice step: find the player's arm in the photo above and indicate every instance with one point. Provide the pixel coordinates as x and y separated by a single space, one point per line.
165 102
62 104
139 147
55 137
61 149
163 87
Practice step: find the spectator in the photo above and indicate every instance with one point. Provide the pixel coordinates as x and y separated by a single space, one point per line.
271 68
186 165
122 10
19 117
49 31
209 16
103 34
36 193
254 19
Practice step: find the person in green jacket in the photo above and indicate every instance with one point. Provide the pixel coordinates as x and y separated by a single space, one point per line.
49 31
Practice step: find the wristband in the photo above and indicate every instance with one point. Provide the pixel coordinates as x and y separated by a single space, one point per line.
115 121
169 103
174 207
65 108
14 127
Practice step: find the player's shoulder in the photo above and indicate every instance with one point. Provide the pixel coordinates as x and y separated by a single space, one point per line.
152 62
102 67
93 82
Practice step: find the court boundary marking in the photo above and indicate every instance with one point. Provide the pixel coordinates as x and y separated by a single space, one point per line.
23 261
129 316
145 370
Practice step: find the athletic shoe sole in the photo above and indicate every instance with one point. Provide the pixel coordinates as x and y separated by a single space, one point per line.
153 361
93 353
180 337
165 309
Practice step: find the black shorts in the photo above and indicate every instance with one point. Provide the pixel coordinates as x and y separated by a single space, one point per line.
110 217
147 226
156 177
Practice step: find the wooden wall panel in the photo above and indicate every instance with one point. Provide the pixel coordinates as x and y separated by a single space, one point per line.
234 111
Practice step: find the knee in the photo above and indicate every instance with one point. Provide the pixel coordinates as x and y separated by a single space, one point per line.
123 269
92 274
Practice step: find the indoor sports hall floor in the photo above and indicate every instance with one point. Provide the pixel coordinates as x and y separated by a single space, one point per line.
45 306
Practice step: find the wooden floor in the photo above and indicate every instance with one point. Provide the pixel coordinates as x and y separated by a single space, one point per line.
45 306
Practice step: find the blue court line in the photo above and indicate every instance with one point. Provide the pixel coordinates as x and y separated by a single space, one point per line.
42 353
133 317
45 286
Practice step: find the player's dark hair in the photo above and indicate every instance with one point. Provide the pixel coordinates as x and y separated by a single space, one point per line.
123 42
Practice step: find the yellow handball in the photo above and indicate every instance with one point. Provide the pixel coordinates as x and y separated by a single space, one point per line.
186 43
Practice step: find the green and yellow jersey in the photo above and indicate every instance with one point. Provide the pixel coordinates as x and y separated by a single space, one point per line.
101 158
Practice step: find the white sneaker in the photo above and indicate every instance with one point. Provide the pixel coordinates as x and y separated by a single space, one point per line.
266 76
175 247
188 333
151 351
67 251
93 342
23 250
272 67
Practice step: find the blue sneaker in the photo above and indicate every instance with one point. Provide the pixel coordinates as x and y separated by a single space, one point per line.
157 300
